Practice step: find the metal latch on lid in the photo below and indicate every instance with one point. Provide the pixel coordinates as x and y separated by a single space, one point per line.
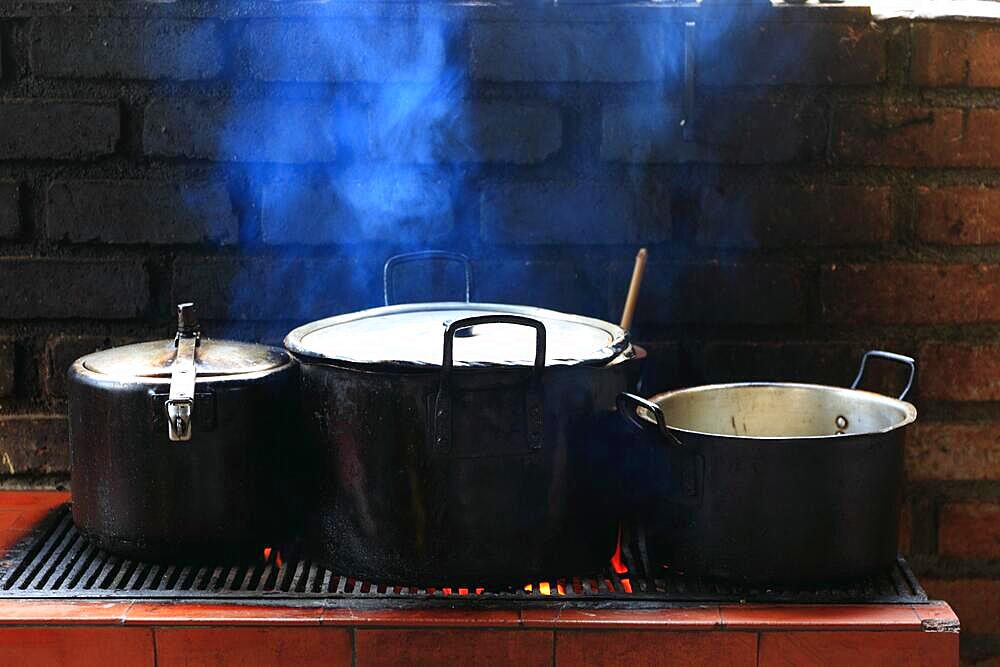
180 404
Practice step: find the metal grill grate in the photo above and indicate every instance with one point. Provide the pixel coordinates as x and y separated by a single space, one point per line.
55 561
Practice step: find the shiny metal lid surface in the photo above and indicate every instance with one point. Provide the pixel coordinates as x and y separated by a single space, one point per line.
212 358
413 335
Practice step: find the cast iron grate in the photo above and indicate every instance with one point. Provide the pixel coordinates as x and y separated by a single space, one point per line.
55 561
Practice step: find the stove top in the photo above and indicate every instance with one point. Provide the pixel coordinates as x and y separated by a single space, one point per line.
55 561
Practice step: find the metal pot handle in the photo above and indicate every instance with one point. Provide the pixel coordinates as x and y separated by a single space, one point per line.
891 356
442 405
628 404
396 260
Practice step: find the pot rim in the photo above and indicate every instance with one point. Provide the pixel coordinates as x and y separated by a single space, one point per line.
909 410
80 369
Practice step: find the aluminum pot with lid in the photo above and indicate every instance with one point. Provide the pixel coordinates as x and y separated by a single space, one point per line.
176 444
772 482
461 443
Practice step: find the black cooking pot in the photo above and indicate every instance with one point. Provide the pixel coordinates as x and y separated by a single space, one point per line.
176 445
771 482
461 443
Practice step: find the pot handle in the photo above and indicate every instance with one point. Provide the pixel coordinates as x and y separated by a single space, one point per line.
891 356
628 404
442 405
443 255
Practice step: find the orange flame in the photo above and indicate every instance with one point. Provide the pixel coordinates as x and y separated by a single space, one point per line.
616 557
278 560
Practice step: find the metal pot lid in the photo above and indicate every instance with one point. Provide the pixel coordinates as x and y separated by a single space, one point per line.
212 358
413 335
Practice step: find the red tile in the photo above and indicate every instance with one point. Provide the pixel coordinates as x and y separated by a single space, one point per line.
252 646
827 617
36 499
677 618
937 616
437 617
691 649
191 613
859 649
483 648
60 612
337 616
539 617
9 518
76 647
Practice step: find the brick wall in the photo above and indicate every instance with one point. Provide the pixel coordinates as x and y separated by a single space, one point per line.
835 189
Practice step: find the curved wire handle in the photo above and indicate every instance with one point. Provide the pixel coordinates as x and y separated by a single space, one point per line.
396 260
891 356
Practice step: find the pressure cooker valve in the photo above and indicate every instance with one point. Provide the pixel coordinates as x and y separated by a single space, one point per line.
180 404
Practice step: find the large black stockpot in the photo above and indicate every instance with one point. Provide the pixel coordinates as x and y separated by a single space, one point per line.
461 443
771 482
176 445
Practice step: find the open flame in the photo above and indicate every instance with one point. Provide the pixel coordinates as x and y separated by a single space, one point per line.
278 560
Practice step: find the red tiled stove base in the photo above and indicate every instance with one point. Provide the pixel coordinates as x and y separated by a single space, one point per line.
79 632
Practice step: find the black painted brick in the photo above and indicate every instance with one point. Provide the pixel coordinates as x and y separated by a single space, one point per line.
343 50
56 129
474 132
713 293
140 212
575 212
261 130
373 205
10 215
723 131
62 351
125 48
742 53
7 372
34 444
754 214
264 289
60 288
585 52
574 285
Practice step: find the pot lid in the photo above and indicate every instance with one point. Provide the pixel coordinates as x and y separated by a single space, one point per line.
413 335
212 358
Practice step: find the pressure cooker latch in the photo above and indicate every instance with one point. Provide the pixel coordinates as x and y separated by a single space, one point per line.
180 404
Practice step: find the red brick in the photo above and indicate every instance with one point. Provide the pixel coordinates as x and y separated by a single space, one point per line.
76 647
936 450
758 53
244 646
955 372
453 647
909 136
910 293
959 215
33 444
860 649
956 54
692 649
969 530
724 130
975 601
745 215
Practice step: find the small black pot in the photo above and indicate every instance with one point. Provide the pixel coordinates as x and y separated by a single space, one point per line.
771 482
204 490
